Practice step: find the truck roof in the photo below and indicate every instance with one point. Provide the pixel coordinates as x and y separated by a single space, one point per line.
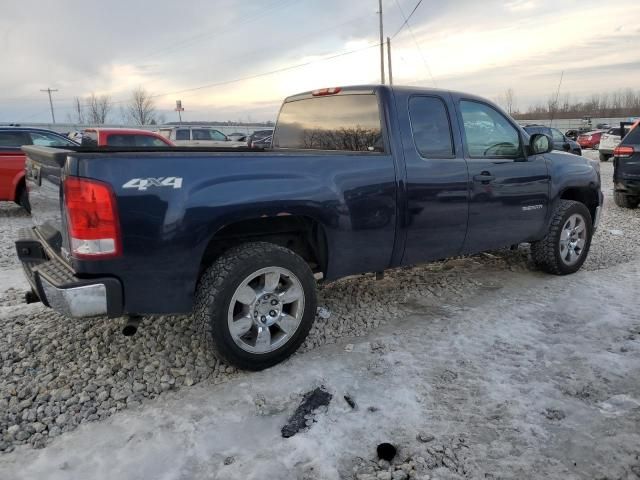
373 88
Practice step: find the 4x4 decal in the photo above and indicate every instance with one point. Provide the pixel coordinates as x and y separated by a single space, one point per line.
144 183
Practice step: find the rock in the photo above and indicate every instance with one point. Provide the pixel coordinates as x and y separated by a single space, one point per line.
118 395
229 460
384 476
400 475
62 419
13 430
102 396
139 387
38 427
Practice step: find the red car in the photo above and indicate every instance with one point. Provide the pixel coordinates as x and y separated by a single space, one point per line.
124 137
590 139
12 184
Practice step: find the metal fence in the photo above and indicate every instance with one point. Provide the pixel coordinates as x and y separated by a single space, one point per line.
564 124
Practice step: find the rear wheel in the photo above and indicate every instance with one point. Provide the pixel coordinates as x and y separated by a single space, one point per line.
604 157
596 146
565 247
625 201
22 199
256 304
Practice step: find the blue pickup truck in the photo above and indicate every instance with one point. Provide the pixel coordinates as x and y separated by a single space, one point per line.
358 179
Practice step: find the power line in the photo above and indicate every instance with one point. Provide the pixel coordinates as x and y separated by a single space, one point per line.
406 19
415 40
263 74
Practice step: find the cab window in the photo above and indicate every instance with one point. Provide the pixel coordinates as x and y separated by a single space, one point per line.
488 133
430 127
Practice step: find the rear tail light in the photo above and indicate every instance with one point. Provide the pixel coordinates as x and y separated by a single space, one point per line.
94 229
623 152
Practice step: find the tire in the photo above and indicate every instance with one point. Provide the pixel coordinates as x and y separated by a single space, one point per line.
625 201
604 157
218 306
548 253
22 199
596 146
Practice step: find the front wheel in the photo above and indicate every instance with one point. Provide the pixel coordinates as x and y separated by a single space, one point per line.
565 247
256 304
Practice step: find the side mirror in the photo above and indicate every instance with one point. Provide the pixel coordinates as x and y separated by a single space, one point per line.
540 143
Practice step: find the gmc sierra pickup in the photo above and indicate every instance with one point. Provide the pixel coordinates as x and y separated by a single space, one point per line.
359 179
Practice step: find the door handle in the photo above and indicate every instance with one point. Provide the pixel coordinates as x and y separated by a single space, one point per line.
484 177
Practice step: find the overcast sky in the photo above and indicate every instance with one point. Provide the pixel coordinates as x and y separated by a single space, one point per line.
173 47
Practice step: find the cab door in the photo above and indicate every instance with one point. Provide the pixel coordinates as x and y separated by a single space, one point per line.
437 179
509 192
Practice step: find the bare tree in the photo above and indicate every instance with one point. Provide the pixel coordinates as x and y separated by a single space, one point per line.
78 111
510 101
141 108
98 109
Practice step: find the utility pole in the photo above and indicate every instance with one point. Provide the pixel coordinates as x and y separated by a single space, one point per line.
389 61
381 44
49 90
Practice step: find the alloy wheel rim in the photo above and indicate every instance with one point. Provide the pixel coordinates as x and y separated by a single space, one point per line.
266 310
573 239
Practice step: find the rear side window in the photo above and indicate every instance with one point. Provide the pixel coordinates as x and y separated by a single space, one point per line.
183 134
430 126
633 137
488 132
121 141
13 139
166 133
340 122
49 140
148 141
204 134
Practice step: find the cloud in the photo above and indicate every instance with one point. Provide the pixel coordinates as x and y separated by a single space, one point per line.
481 47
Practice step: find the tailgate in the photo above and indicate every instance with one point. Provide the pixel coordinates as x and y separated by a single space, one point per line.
44 167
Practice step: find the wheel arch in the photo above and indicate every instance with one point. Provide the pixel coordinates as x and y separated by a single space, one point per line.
18 183
302 234
586 195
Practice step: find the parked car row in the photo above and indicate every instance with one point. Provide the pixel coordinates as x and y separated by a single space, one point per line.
202 136
12 173
560 141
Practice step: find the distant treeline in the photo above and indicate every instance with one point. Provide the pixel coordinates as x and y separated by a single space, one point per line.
621 103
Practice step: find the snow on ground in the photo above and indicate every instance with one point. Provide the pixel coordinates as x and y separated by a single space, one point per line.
539 378
514 374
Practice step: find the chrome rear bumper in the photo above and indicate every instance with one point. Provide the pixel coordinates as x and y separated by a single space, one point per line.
58 287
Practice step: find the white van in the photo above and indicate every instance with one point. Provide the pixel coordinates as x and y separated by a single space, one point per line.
193 136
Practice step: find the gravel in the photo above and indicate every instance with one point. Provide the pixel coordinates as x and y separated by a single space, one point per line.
59 373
